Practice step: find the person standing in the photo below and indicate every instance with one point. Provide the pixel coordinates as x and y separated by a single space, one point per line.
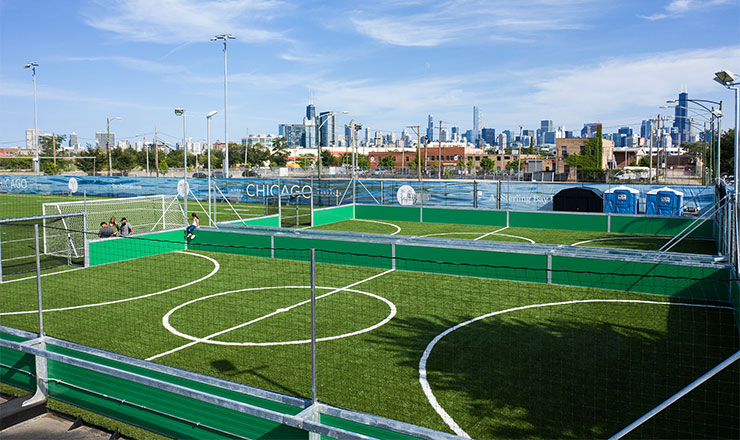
105 230
113 225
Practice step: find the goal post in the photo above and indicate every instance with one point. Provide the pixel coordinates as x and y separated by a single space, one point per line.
143 213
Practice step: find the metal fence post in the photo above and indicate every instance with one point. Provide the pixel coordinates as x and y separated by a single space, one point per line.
38 279
313 327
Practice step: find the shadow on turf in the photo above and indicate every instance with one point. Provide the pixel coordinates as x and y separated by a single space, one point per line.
571 377
228 370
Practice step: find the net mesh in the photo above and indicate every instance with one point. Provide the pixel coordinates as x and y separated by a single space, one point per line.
144 214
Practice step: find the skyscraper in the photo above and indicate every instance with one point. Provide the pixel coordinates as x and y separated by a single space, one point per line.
73 140
430 129
646 127
488 135
682 123
477 122
101 139
589 130
311 111
328 123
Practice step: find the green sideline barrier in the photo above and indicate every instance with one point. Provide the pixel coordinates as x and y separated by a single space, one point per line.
586 270
323 216
702 283
271 221
112 250
595 222
16 368
180 417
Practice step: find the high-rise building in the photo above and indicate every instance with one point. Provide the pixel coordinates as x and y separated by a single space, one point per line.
682 123
589 130
488 135
477 119
30 139
309 125
73 142
294 134
101 139
311 111
647 127
546 125
625 131
430 129
328 124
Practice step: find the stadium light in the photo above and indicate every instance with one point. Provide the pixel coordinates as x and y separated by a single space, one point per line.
225 38
728 79
318 146
208 141
181 112
107 143
33 65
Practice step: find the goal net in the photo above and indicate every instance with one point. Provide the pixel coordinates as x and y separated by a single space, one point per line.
61 242
144 214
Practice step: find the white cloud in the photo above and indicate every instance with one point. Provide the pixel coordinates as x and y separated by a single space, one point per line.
677 8
465 20
627 86
136 64
178 21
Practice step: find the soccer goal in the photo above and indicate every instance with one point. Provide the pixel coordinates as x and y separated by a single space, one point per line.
144 213
61 242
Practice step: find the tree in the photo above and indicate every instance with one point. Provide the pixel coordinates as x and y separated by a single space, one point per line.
123 160
279 155
727 152
257 155
514 165
99 161
236 153
487 164
51 147
471 165
363 161
644 161
306 160
328 159
588 163
388 162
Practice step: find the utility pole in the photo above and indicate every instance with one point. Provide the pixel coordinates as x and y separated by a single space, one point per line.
652 141
246 147
54 147
519 159
439 153
156 150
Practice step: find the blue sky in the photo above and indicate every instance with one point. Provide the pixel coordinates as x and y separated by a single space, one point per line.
389 63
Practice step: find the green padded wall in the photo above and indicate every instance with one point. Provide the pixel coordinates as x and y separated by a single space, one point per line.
17 361
294 248
272 221
663 279
669 226
112 250
334 214
190 409
231 243
473 263
398 213
558 220
464 216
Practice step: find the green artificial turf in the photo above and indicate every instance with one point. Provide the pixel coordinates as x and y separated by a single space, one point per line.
583 370
521 235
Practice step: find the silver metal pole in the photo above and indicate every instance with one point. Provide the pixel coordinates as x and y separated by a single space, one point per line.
38 279
718 173
313 326
210 208
226 118
737 140
36 163
185 158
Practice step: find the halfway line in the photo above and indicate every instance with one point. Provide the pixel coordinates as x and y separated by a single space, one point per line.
493 232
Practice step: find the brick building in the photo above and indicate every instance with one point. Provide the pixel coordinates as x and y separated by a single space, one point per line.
565 147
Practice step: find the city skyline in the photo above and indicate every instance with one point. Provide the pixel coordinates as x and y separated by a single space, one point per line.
574 62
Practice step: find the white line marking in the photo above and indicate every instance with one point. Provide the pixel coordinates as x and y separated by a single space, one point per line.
492 232
449 233
398 228
18 241
168 326
83 306
43 275
165 318
425 357
517 236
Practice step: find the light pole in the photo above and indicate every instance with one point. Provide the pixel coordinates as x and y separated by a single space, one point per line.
715 114
107 143
33 66
225 38
208 130
318 132
147 153
728 79
181 112
712 113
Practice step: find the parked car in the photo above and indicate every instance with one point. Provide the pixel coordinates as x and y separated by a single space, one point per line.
220 175
200 175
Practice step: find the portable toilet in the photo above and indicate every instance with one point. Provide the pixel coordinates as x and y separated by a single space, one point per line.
664 201
621 200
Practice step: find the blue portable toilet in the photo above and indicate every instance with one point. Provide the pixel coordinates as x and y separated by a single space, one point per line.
664 201
621 200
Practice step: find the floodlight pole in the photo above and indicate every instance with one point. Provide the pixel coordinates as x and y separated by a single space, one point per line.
181 112
225 38
417 129
208 124
107 143
36 164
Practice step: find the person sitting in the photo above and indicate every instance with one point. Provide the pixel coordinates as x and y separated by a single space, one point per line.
190 229
105 230
126 229
113 225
